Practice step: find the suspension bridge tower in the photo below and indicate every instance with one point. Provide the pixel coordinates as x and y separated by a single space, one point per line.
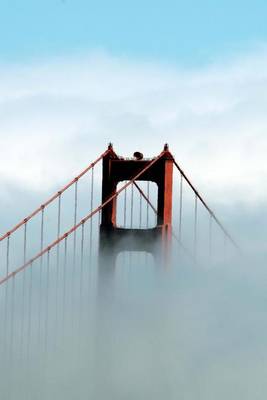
115 239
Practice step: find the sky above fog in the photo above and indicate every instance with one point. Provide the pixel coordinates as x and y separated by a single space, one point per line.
185 32
76 75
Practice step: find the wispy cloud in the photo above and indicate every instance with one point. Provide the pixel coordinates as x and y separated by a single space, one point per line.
56 115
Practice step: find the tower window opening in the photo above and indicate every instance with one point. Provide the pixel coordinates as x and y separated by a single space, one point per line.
137 205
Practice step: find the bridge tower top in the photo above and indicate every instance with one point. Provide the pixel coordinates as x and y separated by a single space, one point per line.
117 169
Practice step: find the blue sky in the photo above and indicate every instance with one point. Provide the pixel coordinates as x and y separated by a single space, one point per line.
183 32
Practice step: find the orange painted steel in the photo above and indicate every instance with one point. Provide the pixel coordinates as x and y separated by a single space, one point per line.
75 227
54 197
167 217
206 206
107 201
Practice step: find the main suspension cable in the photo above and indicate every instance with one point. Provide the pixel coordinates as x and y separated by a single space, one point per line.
54 197
89 216
205 205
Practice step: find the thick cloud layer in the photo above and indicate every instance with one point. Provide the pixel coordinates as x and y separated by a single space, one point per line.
55 116
198 331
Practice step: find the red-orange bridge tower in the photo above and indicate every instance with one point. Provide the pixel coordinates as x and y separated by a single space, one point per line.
114 239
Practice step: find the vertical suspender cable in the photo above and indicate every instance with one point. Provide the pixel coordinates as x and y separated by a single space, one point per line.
74 252
6 294
12 319
82 248
58 225
42 234
81 275
40 274
25 241
195 227
65 251
5 327
147 205
57 271
91 209
30 314
99 218
47 300
131 217
74 247
73 280
181 208
22 309
132 196
64 280
7 254
75 220
124 207
140 211
210 235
